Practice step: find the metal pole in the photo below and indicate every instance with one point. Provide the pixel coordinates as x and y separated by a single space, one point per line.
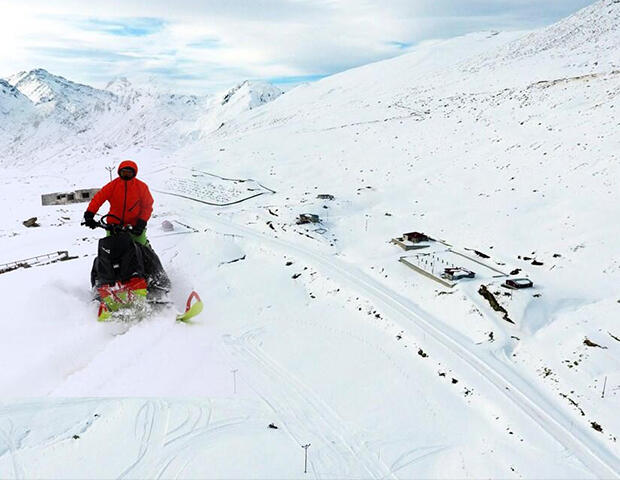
305 447
604 385
234 372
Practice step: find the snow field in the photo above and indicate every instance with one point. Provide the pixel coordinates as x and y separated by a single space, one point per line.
505 143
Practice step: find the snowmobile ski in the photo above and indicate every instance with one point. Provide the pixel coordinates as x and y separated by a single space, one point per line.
121 303
192 308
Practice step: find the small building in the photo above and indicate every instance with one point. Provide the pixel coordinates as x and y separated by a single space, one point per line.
416 237
64 198
325 196
308 218
411 241
456 273
516 283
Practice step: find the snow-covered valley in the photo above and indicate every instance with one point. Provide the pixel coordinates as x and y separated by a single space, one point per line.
504 144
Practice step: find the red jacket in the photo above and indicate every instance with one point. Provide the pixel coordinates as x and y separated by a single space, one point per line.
130 200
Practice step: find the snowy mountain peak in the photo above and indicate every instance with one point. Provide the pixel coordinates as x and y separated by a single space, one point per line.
119 86
40 87
125 91
252 94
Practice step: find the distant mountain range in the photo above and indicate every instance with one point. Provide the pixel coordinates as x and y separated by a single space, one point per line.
46 112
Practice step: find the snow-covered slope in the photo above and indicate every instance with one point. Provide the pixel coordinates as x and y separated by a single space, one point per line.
12 101
583 44
16 112
493 142
249 95
239 99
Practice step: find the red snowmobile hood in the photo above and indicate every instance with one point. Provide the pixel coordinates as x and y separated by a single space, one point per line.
128 164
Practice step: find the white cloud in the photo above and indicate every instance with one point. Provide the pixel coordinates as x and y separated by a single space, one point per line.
211 44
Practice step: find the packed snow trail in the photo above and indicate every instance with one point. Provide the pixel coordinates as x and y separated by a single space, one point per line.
491 368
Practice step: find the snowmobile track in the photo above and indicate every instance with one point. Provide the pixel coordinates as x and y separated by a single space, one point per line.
304 414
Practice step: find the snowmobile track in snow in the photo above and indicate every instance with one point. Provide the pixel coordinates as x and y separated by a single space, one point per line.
305 415
575 438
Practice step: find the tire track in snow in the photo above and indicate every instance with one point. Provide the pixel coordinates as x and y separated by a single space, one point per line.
414 456
182 450
160 456
163 450
8 437
304 411
532 402
145 422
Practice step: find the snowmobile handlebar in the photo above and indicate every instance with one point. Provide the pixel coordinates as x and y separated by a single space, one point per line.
113 227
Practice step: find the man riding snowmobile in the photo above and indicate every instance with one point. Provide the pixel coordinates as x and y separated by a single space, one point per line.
126 266
130 201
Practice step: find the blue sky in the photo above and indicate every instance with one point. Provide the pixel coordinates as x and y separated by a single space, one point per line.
123 27
201 46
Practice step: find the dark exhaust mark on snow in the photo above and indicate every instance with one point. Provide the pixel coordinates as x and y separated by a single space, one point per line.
493 302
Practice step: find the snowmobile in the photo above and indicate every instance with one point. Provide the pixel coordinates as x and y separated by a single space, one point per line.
128 279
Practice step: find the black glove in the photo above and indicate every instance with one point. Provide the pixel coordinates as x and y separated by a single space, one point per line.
139 227
89 219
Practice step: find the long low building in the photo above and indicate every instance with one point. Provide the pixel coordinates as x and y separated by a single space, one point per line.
63 198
